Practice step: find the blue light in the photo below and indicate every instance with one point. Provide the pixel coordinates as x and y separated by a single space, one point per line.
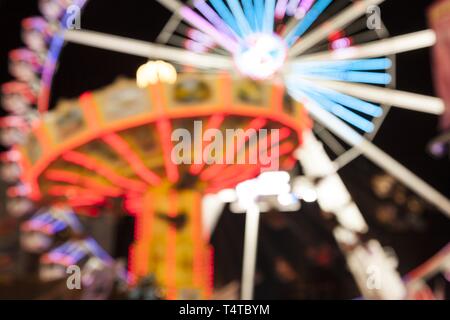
269 16
226 15
259 9
307 21
349 101
250 13
351 76
239 15
338 110
354 65
344 113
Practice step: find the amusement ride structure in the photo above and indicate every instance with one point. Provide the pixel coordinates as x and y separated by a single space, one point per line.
265 68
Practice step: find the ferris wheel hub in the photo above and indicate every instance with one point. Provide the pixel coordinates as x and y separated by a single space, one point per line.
261 55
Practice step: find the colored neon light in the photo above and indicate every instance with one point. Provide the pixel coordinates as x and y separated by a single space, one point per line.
340 111
292 7
238 13
214 170
250 14
214 18
307 21
76 193
123 149
165 130
171 262
347 65
50 63
353 76
304 7
252 151
259 12
200 37
197 235
342 43
269 16
226 15
351 102
100 168
83 181
214 123
280 9
196 20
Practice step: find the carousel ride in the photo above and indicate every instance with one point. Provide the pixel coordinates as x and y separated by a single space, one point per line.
265 70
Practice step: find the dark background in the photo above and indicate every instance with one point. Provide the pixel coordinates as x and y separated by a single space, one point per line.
404 135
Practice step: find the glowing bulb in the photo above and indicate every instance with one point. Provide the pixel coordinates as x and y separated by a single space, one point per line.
155 71
261 56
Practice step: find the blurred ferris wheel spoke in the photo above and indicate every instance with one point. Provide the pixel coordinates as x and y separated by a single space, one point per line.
394 45
168 29
197 21
146 49
343 19
372 152
397 98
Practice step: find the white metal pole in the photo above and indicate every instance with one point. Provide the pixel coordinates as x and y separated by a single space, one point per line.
250 251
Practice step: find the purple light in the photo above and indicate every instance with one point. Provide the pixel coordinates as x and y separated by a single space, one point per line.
213 17
197 21
195 46
304 7
200 37
292 7
280 9
341 43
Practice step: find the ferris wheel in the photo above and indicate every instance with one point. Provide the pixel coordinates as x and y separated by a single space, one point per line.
334 58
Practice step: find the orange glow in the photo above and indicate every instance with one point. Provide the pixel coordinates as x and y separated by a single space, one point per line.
82 181
165 129
214 123
122 148
171 249
100 168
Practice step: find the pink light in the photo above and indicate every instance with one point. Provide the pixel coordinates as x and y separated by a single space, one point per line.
292 7
341 43
195 46
280 9
304 7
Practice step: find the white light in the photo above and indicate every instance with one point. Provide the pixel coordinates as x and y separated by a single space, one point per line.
344 236
273 183
212 209
227 195
350 217
305 190
155 71
286 199
261 55
268 184
332 194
